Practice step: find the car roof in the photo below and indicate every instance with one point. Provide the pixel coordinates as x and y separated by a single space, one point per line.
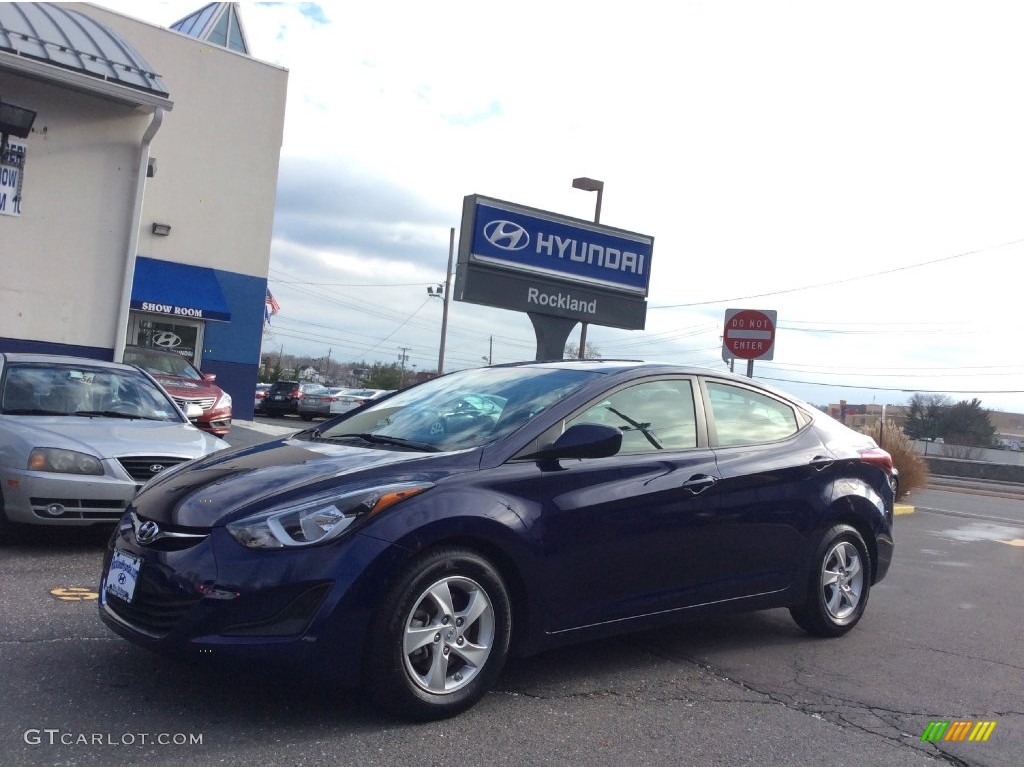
33 357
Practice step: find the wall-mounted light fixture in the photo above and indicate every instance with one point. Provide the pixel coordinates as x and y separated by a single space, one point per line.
161 229
14 120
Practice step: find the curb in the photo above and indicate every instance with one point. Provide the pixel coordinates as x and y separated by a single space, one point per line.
267 429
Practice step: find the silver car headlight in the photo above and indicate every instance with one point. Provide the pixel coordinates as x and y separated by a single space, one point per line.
319 520
64 461
224 401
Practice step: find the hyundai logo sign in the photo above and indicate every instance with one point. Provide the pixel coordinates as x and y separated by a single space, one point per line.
506 235
551 265
167 339
509 236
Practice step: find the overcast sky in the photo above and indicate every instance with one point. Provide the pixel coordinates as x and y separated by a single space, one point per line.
856 167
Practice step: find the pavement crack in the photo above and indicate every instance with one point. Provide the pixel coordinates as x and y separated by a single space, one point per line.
828 711
42 640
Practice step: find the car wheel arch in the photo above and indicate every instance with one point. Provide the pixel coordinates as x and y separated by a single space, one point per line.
855 511
515 581
453 562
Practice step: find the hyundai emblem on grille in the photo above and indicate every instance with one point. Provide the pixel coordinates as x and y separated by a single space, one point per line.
147 532
154 468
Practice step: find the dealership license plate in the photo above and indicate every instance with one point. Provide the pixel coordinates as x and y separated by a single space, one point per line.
122 575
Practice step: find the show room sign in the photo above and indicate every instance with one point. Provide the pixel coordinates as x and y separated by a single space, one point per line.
12 169
525 259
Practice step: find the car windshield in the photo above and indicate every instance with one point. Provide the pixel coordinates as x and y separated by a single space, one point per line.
162 363
45 389
461 410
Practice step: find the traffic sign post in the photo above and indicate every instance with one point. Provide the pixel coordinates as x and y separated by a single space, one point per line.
749 335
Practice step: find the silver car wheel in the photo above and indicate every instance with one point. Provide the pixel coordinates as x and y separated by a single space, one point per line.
842 580
449 635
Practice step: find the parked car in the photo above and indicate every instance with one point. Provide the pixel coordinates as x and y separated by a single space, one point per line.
79 437
318 404
261 392
595 497
354 398
284 396
186 384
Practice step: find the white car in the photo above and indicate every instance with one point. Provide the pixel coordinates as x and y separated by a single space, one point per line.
347 401
79 438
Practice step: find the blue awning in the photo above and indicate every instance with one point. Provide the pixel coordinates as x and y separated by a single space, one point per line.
180 290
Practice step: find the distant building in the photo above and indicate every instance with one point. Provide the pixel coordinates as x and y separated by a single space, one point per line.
1009 426
865 417
139 208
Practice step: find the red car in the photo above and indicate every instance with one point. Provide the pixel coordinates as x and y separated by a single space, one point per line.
186 384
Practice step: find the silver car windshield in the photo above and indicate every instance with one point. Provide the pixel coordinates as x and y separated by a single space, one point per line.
41 389
462 410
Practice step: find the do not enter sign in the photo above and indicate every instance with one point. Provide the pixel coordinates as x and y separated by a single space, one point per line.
749 334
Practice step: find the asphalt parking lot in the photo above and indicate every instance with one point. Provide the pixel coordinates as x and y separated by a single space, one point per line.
939 642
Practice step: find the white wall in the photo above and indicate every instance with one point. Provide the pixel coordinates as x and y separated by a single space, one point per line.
217 151
62 260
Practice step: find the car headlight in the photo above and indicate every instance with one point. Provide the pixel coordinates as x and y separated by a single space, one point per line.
61 460
319 520
224 401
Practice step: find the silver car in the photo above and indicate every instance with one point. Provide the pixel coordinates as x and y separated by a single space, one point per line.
79 438
318 402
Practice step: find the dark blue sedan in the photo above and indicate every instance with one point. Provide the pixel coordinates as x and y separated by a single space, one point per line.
413 544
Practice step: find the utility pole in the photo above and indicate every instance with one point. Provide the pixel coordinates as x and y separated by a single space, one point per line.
403 357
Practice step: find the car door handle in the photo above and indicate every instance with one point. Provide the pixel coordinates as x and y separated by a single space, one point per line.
699 483
822 462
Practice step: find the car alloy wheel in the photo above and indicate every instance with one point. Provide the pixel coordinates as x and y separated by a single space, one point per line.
839 584
448 635
440 637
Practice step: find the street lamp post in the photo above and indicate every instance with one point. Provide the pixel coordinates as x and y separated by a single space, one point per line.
588 185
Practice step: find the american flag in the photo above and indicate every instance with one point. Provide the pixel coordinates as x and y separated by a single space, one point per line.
271 307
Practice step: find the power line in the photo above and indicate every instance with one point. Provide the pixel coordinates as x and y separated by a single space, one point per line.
902 389
843 280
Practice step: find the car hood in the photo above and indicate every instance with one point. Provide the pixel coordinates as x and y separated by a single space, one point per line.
109 438
182 387
229 485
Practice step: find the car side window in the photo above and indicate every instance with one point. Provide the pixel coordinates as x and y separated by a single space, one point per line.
653 416
742 416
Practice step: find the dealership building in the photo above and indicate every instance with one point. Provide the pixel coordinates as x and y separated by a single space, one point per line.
137 185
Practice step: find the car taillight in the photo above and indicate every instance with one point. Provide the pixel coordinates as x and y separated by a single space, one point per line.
296 393
877 457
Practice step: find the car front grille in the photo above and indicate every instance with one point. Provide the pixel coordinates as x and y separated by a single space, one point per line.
145 467
78 509
154 610
206 403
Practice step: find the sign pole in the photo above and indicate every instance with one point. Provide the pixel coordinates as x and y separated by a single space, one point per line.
750 369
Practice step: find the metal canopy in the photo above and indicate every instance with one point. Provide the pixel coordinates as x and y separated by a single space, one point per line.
46 40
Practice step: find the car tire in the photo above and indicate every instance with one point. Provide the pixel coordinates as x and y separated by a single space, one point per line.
5 526
440 637
306 417
838 584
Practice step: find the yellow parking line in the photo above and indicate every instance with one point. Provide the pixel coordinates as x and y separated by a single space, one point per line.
1013 542
904 509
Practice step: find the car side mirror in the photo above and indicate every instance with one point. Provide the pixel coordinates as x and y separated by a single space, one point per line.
583 441
193 411
209 377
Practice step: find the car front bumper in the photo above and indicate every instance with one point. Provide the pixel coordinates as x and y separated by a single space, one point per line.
50 498
211 595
